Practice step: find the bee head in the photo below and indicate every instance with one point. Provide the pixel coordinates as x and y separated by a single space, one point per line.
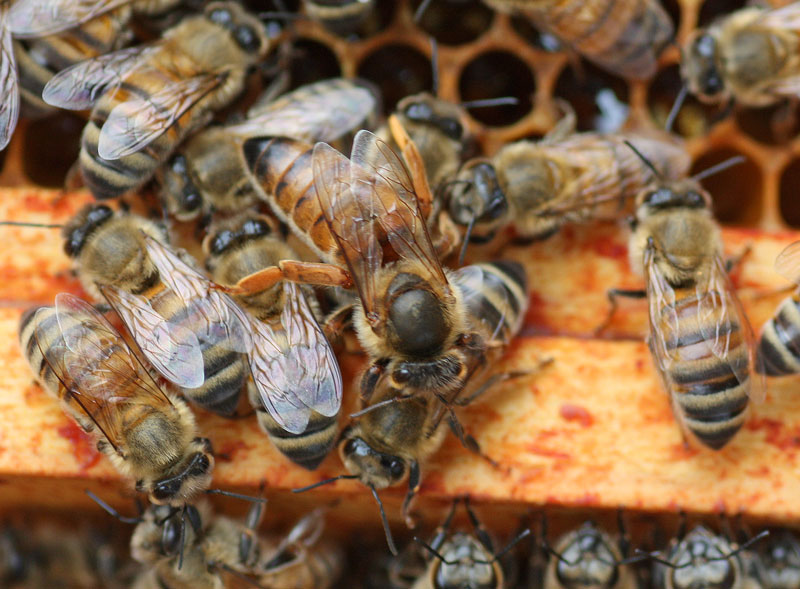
700 67
587 561
240 230
165 531
374 468
675 196
183 198
701 560
425 109
82 225
781 560
247 31
465 563
191 475
476 195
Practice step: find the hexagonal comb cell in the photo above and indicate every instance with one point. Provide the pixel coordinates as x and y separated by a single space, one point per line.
497 74
455 22
737 191
398 70
790 194
600 100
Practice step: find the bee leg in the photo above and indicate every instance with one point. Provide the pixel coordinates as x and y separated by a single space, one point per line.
624 542
337 323
247 540
414 478
496 379
416 166
469 442
612 301
566 125
258 281
318 274
480 531
447 237
732 263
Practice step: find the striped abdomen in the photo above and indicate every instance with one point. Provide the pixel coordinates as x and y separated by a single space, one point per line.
779 346
282 170
112 178
497 301
623 36
704 388
226 371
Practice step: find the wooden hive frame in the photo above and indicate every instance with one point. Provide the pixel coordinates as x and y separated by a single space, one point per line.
593 430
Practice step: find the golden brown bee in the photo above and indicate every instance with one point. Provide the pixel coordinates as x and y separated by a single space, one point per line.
750 55
704 560
455 559
779 337
297 389
538 186
589 558
341 17
151 96
208 173
700 338
196 339
624 37
147 434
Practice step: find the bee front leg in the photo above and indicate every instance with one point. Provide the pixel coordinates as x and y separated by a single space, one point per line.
469 442
496 379
613 294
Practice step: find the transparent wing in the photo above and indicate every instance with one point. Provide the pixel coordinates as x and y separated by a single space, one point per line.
36 18
95 366
352 222
294 368
79 86
724 325
173 350
318 112
136 123
9 90
217 317
783 18
787 264
380 178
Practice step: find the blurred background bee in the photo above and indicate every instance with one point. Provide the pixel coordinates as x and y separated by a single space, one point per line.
749 56
150 96
208 174
341 17
149 436
778 562
701 341
777 346
704 560
538 186
624 37
297 386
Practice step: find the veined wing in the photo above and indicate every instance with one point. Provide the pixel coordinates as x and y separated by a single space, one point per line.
787 264
136 123
217 317
9 89
36 18
173 350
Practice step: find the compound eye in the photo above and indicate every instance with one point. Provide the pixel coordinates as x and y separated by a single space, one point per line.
705 46
659 197
255 227
419 111
419 322
395 467
179 164
166 490
452 129
221 16
401 375
191 201
171 536
200 467
221 242
247 39
694 199
98 214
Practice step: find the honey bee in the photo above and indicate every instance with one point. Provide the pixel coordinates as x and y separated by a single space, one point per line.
703 560
147 434
298 385
429 332
700 338
589 558
208 173
749 55
9 79
537 187
779 562
195 338
625 38
341 17
456 559
149 97
779 337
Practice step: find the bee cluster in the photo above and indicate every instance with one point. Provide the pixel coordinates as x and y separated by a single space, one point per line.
261 225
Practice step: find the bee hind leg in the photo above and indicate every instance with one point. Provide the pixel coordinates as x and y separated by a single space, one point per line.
500 377
469 442
613 294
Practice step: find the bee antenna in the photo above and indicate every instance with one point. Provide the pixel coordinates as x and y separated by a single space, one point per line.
421 9
111 511
432 550
676 108
325 482
654 556
236 495
646 161
723 165
183 537
24 224
467 235
485 102
744 546
386 530
434 64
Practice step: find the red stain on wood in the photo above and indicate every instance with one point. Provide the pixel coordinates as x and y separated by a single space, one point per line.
83 448
571 412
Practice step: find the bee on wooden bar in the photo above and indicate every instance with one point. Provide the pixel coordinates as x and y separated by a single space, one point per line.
750 56
209 174
147 434
701 341
297 390
148 98
624 37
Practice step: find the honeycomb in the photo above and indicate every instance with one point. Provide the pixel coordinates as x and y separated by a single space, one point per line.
594 430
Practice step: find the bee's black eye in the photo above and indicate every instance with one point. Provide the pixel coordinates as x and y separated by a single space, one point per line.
395 466
256 227
171 536
221 242
247 39
452 128
221 16
419 111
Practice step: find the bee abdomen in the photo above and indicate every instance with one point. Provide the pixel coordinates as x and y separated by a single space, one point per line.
779 346
502 299
307 449
226 374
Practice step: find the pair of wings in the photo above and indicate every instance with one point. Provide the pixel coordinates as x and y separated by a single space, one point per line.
134 123
369 201
293 366
322 111
718 319
85 335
